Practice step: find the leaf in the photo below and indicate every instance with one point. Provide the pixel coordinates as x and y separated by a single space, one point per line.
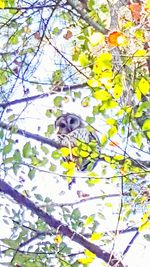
93 181
89 254
89 220
31 173
85 261
103 140
102 95
58 239
83 154
111 121
112 131
58 101
117 91
144 86
44 149
96 236
17 156
135 11
94 83
65 151
83 59
146 125
140 53
38 197
27 150
117 39
90 120
2 4
97 38
118 157
56 154
68 35
8 148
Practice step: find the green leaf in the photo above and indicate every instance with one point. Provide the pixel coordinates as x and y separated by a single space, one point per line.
83 59
27 150
31 173
58 101
14 39
17 156
44 149
8 148
56 154
38 197
90 120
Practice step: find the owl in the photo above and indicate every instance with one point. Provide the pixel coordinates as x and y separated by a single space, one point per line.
83 143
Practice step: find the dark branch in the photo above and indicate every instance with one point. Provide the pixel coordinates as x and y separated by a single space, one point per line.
31 98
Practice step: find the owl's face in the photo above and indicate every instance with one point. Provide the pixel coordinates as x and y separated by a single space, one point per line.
67 123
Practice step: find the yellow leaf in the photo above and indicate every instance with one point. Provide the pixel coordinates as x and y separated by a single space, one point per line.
93 83
139 34
94 155
89 254
109 104
103 139
102 95
147 5
96 236
138 94
112 131
75 151
83 154
85 260
144 86
70 173
58 239
68 165
117 91
2 4
83 59
118 157
140 53
111 121
144 226
65 151
96 38
146 125
94 181
89 220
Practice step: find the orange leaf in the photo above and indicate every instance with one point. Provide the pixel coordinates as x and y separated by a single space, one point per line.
68 35
114 143
135 11
117 39
122 171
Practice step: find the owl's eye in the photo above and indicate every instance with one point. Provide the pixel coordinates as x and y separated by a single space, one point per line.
72 121
62 125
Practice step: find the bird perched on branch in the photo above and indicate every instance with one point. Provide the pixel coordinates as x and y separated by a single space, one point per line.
81 140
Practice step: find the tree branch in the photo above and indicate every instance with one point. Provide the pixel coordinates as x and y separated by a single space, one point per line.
54 223
54 91
86 17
